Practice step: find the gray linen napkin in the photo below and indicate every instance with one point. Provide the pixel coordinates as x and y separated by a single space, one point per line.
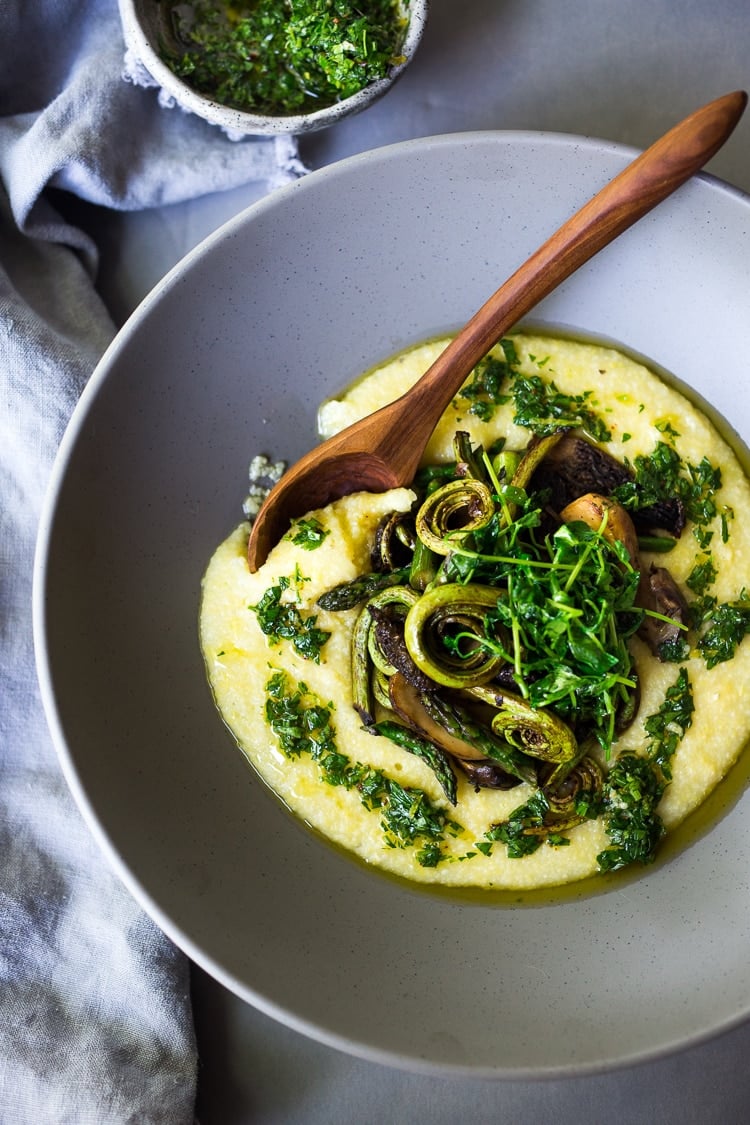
95 1018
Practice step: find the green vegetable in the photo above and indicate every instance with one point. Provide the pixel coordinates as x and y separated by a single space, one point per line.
303 725
363 649
543 408
635 828
663 476
459 722
446 636
436 759
570 608
349 594
635 784
283 56
308 533
484 389
730 622
451 514
281 620
656 544
536 732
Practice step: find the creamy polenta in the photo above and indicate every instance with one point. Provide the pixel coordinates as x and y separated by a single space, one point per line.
286 690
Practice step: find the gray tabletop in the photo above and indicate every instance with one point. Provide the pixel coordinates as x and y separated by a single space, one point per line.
624 70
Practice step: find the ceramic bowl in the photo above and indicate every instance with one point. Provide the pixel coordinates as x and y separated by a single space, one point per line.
145 26
230 356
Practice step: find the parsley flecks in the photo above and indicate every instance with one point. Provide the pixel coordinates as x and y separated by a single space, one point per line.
539 404
662 475
701 576
408 817
303 725
721 625
636 784
725 516
280 619
635 828
729 623
668 726
485 388
674 651
308 533
664 426
523 832
276 57
300 721
543 408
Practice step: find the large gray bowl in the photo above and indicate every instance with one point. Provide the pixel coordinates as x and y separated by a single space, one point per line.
230 355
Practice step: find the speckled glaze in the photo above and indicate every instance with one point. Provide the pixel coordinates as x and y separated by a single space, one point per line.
142 27
230 356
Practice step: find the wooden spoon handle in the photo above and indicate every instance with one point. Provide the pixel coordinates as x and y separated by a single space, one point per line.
644 183
384 449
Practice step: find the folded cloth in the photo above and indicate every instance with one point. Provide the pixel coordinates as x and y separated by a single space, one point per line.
95 1017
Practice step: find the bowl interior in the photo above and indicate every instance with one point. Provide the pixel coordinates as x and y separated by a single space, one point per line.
147 27
230 356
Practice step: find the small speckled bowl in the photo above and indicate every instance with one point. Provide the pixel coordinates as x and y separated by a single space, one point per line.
145 28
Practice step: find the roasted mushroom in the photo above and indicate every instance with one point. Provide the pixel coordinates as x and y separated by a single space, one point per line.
606 516
574 466
659 592
453 728
488 774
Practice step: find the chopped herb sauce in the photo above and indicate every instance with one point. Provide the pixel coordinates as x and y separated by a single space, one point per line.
539 404
302 724
283 57
308 533
662 475
728 623
280 619
636 784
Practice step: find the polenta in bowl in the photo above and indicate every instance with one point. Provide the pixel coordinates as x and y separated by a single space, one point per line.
507 676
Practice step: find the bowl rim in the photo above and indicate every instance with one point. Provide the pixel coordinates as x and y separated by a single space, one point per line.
240 122
78 420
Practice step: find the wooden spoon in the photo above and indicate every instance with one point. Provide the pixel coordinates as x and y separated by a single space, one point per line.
384 449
